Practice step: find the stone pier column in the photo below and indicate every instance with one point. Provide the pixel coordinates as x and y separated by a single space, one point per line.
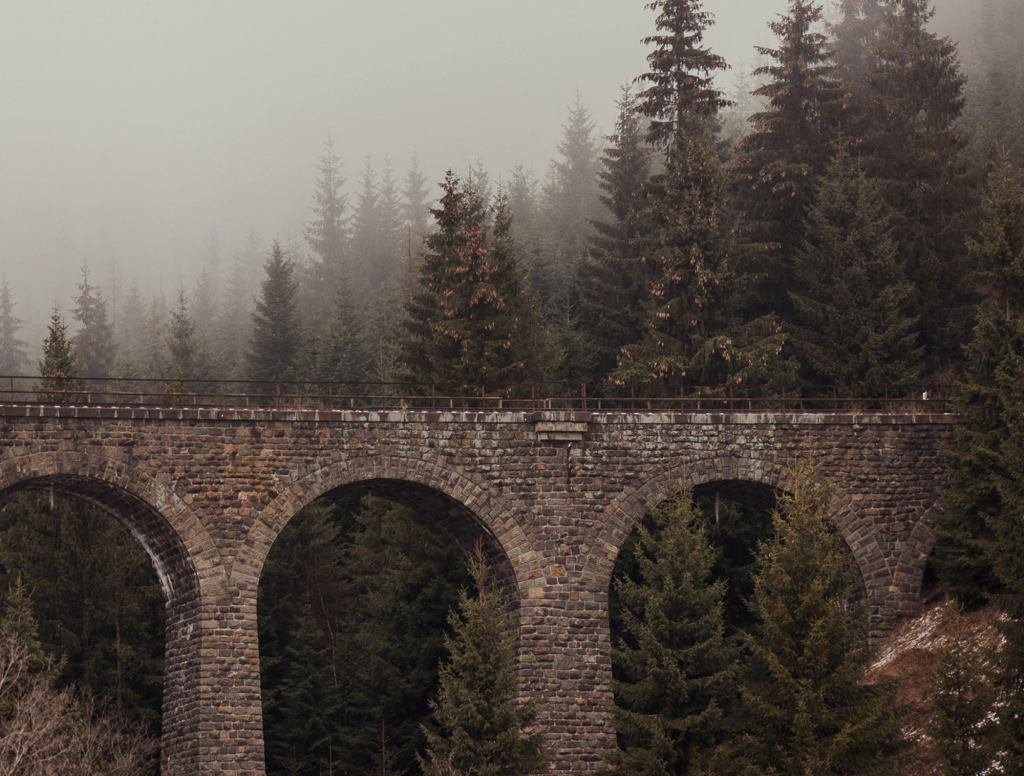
565 667
230 714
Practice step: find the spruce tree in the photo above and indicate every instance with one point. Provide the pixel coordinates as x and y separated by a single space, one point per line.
786 152
366 232
912 143
688 254
415 206
274 346
855 45
963 699
181 342
94 341
805 703
478 724
58 368
12 347
467 324
680 82
853 305
327 233
19 624
964 532
345 354
674 675
571 196
611 280
1006 549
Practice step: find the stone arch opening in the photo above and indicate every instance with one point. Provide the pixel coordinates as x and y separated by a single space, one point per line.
759 483
178 582
357 500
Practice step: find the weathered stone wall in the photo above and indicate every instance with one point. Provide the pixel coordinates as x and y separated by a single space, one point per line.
553 496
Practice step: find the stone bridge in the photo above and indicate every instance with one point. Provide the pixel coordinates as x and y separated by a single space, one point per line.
553 494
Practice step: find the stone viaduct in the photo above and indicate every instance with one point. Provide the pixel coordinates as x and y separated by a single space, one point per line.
553 494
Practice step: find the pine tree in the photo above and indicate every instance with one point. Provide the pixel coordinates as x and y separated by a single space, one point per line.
611 280
345 354
274 347
366 259
855 46
964 532
853 306
327 233
781 159
912 144
58 369
688 254
12 347
181 342
416 206
19 624
94 342
804 700
478 724
232 329
571 196
680 83
466 324
963 699
673 663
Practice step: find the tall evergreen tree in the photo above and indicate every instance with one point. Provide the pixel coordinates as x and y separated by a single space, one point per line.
232 329
12 347
479 725
674 675
58 369
94 341
611 281
274 347
804 699
19 624
781 159
345 353
691 242
912 144
964 531
466 325
366 245
680 82
853 305
1006 550
181 342
855 50
416 206
571 195
327 233
963 700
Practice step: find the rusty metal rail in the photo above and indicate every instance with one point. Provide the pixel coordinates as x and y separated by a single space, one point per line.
257 394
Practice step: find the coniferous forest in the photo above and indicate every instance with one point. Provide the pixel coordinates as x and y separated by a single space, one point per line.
849 219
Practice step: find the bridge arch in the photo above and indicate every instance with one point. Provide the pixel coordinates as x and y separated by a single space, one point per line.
630 507
180 550
471 510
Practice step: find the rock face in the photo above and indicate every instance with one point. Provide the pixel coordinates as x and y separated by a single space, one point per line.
553 496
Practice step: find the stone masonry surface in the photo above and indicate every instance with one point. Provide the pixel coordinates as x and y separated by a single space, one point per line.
553 495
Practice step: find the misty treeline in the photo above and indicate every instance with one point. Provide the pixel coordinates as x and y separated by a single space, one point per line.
853 215
822 239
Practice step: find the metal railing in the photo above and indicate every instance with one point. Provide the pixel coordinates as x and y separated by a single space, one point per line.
319 395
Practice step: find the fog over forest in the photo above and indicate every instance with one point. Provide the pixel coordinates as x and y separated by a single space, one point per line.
140 138
135 132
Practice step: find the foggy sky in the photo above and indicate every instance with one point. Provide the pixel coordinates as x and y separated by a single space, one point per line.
132 130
